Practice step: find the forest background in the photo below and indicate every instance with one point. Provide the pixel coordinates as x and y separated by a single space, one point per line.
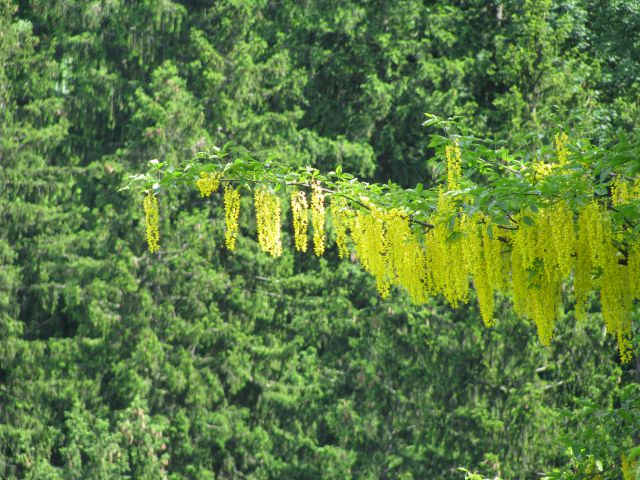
199 363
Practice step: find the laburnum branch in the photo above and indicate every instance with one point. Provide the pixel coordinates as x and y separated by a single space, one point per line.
259 173
551 207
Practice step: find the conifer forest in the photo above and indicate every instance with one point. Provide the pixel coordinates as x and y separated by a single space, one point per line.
313 239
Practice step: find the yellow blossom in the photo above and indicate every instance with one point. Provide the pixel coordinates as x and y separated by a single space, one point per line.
317 218
454 166
597 252
342 217
371 246
589 220
152 220
446 273
623 191
406 265
208 183
479 253
267 206
231 213
541 170
300 214
541 260
633 266
562 152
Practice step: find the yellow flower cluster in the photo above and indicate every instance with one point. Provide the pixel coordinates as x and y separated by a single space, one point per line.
633 265
590 238
390 251
454 166
616 298
541 169
267 206
542 257
446 273
625 280
619 191
371 246
406 265
208 183
485 263
317 218
618 283
562 152
623 191
152 220
300 214
477 265
231 213
342 217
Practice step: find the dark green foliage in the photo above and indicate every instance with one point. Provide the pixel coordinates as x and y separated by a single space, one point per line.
200 363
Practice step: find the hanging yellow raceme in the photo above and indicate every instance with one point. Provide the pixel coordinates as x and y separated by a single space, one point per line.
634 268
617 303
231 213
397 231
446 272
621 282
588 245
600 265
342 217
615 296
371 246
562 152
561 224
496 254
412 273
620 191
476 249
152 220
623 191
519 276
536 269
208 183
267 205
453 156
406 265
317 218
300 214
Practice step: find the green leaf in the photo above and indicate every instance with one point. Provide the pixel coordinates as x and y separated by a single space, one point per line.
528 220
